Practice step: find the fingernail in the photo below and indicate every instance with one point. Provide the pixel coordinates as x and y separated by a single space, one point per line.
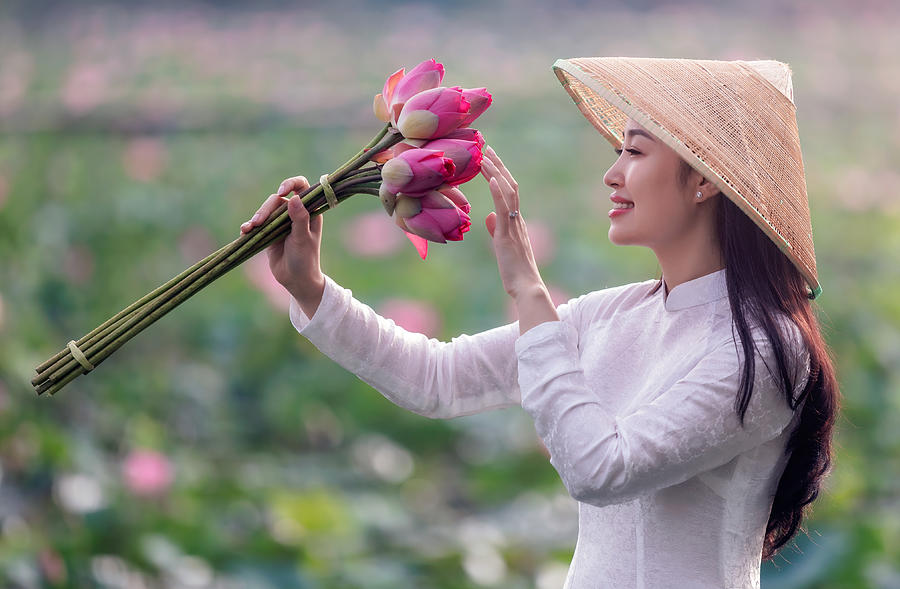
255 218
281 188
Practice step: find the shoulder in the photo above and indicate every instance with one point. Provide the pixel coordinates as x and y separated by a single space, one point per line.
607 301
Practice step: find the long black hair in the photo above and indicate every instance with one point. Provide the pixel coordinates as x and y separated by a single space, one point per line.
762 282
762 285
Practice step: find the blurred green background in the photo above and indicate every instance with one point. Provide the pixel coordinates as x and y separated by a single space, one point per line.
219 448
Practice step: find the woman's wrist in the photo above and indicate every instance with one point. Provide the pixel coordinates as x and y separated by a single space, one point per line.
309 294
534 306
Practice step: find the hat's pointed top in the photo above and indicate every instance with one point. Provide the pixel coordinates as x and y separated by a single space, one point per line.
777 73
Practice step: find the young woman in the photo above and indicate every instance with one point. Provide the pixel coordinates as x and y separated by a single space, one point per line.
690 416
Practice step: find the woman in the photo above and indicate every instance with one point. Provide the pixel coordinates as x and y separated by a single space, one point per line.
690 416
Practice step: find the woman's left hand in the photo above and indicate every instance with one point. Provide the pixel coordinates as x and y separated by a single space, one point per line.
515 258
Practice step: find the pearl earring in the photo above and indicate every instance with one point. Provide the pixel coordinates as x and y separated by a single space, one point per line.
699 194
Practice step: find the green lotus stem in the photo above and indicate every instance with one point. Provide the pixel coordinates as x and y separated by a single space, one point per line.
102 341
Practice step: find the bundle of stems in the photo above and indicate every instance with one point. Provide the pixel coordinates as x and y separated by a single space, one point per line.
357 176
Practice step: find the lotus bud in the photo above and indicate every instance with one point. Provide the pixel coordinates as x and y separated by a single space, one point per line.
479 100
425 76
381 109
388 199
416 171
464 147
432 216
433 113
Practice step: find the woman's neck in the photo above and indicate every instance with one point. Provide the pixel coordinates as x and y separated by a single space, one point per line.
690 261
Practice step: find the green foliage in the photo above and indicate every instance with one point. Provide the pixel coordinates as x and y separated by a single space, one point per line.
134 145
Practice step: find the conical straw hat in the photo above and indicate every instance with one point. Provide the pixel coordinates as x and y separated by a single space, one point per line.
732 121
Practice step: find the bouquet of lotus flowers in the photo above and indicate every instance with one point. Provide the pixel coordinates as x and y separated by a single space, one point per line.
413 165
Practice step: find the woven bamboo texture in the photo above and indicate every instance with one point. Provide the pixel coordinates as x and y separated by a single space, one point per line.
733 121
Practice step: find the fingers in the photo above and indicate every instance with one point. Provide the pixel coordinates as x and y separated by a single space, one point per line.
297 211
268 206
501 222
490 222
495 159
295 184
505 197
304 227
494 171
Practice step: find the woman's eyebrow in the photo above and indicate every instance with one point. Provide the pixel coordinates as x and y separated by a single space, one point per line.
632 132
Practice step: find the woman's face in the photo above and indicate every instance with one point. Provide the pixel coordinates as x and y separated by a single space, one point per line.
647 173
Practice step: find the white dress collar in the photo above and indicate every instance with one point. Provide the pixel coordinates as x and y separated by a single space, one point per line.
699 291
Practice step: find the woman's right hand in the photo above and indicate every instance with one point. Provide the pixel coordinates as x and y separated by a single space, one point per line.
294 261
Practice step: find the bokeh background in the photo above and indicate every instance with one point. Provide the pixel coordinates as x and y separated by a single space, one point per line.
219 448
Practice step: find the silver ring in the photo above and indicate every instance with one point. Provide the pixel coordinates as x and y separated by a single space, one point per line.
513 214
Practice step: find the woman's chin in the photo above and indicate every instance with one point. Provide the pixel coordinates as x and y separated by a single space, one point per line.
618 238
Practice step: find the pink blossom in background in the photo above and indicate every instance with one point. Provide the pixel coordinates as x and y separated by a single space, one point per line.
371 235
557 295
85 88
52 566
147 472
411 315
543 242
144 159
196 243
257 271
78 264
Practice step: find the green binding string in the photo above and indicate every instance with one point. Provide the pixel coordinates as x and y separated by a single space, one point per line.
330 196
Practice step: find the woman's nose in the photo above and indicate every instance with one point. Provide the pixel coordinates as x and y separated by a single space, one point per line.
613 176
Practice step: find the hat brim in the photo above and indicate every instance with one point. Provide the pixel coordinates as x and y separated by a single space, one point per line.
608 109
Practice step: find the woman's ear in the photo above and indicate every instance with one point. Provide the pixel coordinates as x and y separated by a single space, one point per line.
706 189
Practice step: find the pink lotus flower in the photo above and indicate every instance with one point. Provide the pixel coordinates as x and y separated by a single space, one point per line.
400 87
479 100
416 171
433 113
463 146
435 216
147 472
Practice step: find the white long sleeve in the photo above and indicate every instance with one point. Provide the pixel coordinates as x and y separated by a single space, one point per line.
469 374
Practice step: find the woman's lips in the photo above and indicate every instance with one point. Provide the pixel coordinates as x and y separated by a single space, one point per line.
620 206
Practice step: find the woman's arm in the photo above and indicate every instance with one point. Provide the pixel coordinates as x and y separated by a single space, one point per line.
471 373
690 428
437 379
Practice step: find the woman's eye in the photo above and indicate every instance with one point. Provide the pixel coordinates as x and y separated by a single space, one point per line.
633 151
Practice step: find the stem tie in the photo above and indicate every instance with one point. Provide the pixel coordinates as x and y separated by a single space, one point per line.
80 357
330 196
